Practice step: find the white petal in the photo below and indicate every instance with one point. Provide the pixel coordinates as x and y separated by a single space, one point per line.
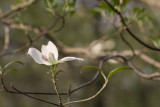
51 59
45 51
37 56
52 48
69 59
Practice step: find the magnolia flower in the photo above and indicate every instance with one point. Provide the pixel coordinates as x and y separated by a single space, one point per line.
48 55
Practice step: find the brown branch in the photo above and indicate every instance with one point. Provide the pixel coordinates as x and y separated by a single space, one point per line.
86 52
33 97
35 93
18 8
128 29
41 33
152 76
62 17
21 26
149 60
69 95
129 45
6 39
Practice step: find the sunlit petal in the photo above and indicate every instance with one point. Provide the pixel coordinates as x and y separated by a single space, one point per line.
52 48
69 59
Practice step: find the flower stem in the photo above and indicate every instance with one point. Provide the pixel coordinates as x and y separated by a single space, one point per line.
55 84
56 89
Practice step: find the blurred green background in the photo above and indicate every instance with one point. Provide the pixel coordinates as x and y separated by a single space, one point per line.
125 89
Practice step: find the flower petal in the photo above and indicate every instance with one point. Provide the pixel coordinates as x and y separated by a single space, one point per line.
37 56
52 48
69 59
45 51
52 59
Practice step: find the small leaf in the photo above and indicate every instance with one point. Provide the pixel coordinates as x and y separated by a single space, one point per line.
45 1
72 3
118 69
105 6
91 67
95 68
126 19
125 2
58 72
156 41
54 5
12 63
49 10
1 70
51 1
9 71
95 11
48 3
116 2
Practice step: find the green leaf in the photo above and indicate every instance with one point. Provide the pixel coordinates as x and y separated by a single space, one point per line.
9 71
105 6
55 5
138 11
95 11
95 68
125 2
17 3
72 3
51 1
1 70
156 41
45 2
12 63
126 19
118 69
116 2
49 10
48 3
58 72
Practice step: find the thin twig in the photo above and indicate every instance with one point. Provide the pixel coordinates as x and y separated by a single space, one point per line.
129 45
33 97
69 95
35 93
6 39
90 98
128 29
63 22
152 76
23 26
18 8
86 83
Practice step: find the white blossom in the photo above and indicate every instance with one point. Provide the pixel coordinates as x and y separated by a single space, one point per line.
48 55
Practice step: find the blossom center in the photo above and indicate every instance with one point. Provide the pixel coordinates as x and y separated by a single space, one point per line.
44 58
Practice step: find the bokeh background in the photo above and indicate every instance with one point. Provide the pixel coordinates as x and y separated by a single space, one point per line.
125 89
